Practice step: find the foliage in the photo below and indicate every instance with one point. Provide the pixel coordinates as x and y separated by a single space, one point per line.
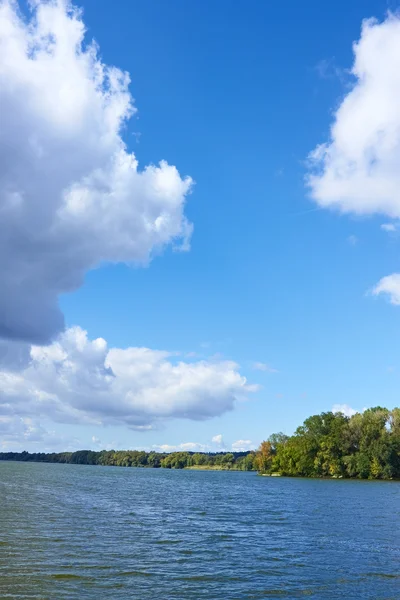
366 446
239 461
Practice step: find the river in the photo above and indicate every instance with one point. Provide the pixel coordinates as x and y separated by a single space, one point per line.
85 532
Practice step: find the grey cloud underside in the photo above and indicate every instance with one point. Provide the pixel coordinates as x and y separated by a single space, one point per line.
71 195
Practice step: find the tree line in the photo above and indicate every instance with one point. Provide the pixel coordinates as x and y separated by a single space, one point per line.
239 461
365 446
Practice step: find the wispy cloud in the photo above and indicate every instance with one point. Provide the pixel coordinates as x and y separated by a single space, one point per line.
352 240
389 227
328 69
265 367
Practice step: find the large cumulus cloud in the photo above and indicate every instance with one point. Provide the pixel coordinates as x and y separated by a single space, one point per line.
71 194
78 380
358 169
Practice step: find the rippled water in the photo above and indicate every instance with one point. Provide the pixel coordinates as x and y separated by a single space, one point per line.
83 532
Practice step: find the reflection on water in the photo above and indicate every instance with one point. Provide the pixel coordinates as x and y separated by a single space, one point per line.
82 532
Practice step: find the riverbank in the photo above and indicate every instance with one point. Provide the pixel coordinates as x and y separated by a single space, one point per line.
213 461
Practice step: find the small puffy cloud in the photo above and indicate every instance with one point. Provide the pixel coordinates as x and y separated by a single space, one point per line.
78 380
242 446
344 409
389 285
358 169
260 366
72 196
389 227
218 439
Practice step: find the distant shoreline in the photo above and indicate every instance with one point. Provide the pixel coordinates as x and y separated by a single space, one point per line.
216 468
212 461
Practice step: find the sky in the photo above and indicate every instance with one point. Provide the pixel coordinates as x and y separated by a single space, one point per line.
200 220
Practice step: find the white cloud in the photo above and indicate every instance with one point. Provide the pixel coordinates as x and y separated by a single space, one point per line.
260 366
13 428
24 433
185 447
389 285
358 169
76 380
238 446
389 227
345 409
327 69
71 194
242 446
218 439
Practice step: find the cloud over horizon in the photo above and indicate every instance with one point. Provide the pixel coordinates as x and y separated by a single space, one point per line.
71 194
78 380
243 446
345 409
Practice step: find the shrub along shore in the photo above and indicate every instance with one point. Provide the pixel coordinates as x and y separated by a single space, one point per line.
364 446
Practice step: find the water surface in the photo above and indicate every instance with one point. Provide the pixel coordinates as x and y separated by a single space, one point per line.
85 532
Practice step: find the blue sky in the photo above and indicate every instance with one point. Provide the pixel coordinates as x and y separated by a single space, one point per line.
237 95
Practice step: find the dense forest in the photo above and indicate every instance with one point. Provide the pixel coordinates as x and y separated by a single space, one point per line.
364 446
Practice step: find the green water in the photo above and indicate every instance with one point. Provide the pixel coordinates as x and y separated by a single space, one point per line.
84 532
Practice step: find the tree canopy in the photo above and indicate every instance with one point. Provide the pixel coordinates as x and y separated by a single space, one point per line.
365 446
243 461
